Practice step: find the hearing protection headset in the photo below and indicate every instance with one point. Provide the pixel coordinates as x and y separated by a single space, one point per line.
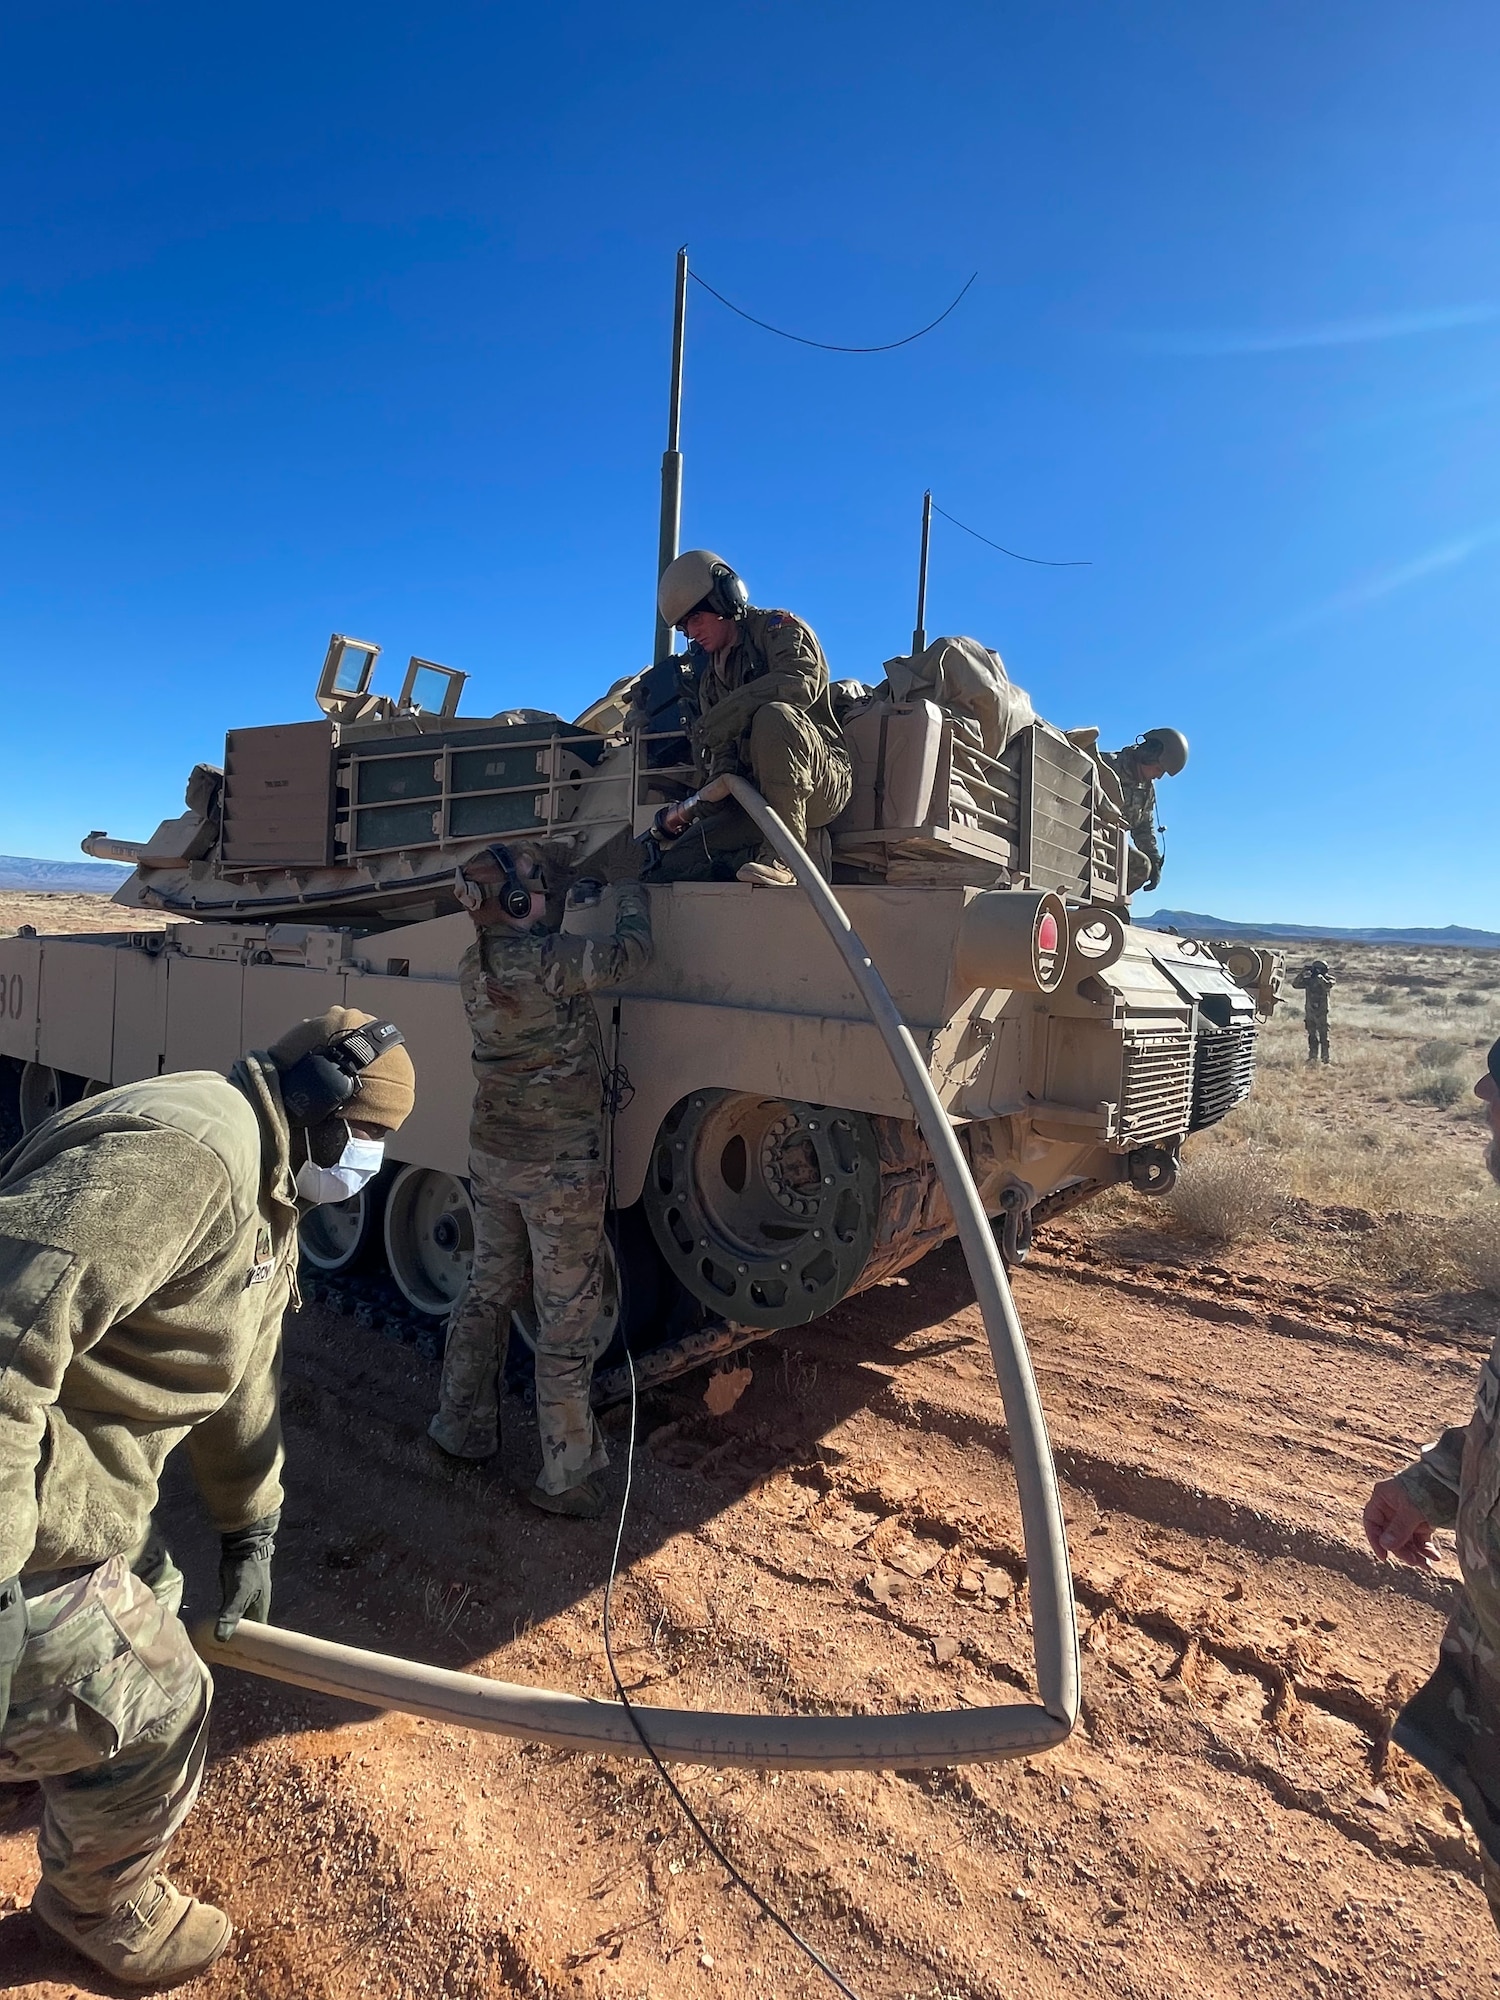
325 1080
512 895
727 595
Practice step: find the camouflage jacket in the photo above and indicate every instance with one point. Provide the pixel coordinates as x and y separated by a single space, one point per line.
148 1245
1140 801
1315 988
537 1050
1456 1484
776 658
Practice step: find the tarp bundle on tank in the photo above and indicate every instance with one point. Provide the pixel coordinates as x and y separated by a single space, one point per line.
963 683
969 683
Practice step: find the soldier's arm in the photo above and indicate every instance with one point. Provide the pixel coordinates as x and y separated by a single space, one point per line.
582 965
795 674
85 1240
1431 1483
1299 984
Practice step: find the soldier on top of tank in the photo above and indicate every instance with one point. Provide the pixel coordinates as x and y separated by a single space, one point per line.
1315 982
1160 753
764 713
537 1168
148 1247
1452 1723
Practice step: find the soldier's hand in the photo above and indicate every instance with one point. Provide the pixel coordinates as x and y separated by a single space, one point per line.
1395 1526
1151 880
13 1630
245 1575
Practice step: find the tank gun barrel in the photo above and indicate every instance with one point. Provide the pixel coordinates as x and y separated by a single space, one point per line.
103 848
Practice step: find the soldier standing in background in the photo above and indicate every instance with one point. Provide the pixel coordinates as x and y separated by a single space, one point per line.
1452 1724
1160 753
148 1247
765 714
537 1168
1315 982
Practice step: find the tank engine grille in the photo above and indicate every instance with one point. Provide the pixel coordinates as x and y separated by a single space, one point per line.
1223 1072
1157 1084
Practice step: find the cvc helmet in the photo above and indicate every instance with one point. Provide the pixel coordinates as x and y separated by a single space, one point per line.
1318 965
1165 746
699 577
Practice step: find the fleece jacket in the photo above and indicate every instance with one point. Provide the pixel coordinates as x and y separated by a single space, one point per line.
148 1247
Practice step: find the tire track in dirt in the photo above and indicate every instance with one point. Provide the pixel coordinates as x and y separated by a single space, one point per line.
1229 1815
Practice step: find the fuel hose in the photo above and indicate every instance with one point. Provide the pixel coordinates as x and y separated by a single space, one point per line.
914 1741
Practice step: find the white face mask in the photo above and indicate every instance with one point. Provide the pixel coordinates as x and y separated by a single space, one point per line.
357 1165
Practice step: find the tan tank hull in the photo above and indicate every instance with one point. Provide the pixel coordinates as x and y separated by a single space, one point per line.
764 1205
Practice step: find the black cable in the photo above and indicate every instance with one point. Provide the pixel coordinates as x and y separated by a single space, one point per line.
663 1773
828 346
1040 561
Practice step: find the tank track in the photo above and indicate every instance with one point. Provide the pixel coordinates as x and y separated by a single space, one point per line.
372 1300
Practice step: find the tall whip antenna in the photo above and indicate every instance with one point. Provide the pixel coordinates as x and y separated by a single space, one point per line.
671 458
919 636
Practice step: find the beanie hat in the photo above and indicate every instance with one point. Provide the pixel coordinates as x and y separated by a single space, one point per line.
387 1089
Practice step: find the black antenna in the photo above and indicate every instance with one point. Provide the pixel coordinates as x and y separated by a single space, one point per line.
919 636
671 459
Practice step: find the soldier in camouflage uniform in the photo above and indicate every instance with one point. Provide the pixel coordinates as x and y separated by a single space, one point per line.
148 1247
537 1169
1452 1724
764 713
1315 982
1160 753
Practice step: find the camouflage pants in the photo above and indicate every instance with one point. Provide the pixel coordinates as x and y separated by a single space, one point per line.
1317 1040
109 1715
794 769
553 1210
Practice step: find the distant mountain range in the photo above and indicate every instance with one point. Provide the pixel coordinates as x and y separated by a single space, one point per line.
19 871
1191 924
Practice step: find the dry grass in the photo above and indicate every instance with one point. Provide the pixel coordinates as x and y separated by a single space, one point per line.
1228 1195
1389 1130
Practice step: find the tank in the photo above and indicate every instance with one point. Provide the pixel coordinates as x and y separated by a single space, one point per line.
766 1163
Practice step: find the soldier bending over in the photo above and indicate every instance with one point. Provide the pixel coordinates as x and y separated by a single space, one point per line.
536 1168
764 714
1452 1724
148 1244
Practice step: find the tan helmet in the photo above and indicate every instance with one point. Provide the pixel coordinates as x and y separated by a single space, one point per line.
697 577
1165 746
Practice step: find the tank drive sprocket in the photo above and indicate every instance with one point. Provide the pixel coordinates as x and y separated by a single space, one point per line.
765 1208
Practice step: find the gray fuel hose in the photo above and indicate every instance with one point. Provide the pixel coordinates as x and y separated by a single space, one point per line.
917 1741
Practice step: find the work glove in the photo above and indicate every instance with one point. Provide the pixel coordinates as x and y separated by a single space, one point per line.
13 1629
245 1575
1151 880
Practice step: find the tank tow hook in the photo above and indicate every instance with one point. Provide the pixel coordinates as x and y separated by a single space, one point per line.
1015 1222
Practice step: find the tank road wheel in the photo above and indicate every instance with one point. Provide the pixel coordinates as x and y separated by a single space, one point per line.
764 1207
429 1238
338 1235
43 1091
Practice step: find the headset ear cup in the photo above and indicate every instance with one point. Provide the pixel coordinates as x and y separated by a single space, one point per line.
313 1089
728 595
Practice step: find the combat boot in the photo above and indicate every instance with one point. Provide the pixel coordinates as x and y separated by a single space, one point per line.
159 1938
769 870
583 1502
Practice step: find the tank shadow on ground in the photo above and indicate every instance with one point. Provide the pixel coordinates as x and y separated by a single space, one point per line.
387 1544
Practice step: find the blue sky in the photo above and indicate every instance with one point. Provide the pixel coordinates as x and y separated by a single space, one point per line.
357 318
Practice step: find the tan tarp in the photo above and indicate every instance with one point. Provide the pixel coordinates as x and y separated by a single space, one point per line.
966 680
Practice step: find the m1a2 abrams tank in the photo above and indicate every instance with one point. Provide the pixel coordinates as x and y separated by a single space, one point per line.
766 1160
